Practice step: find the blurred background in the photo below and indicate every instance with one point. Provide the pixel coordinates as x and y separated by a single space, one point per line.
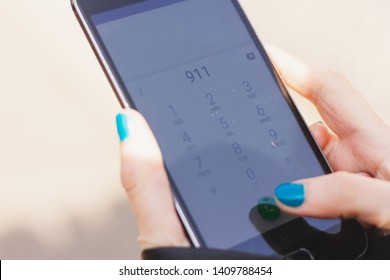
60 192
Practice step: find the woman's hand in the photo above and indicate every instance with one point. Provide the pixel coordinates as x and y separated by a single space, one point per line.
358 143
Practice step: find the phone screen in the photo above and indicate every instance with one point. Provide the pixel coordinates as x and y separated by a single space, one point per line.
228 133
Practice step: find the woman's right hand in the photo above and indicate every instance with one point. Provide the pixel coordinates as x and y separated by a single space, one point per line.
357 143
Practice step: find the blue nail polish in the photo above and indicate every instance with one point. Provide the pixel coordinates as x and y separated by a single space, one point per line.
122 124
290 194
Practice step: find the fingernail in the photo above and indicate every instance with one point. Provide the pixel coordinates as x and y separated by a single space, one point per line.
290 194
122 124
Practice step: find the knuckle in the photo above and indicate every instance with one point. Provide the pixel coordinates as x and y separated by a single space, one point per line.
347 194
383 171
330 78
332 75
128 180
138 170
381 220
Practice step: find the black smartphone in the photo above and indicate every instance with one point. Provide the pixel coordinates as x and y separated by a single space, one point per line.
227 127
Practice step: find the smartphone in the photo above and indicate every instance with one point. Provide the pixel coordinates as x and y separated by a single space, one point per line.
226 125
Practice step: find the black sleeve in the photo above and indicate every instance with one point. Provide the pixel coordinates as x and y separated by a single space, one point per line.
179 253
378 248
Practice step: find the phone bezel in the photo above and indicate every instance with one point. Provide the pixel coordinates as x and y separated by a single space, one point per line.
125 99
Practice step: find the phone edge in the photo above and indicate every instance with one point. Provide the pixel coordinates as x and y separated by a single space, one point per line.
99 55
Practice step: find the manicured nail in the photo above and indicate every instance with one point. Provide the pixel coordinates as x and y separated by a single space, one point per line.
122 124
290 194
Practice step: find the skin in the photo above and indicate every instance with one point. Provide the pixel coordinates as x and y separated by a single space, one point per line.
355 142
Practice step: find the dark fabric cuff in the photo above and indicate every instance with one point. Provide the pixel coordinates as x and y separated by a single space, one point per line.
179 253
378 247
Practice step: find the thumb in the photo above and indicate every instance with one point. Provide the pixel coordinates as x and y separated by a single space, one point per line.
339 194
146 184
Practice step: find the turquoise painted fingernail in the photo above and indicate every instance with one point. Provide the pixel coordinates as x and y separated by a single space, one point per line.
290 194
122 124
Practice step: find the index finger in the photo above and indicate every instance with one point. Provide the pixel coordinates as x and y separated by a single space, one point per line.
340 105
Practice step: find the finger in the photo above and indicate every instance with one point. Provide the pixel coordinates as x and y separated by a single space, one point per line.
146 184
339 194
340 105
327 142
321 134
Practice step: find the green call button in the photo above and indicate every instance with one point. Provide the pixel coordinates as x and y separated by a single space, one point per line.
267 209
